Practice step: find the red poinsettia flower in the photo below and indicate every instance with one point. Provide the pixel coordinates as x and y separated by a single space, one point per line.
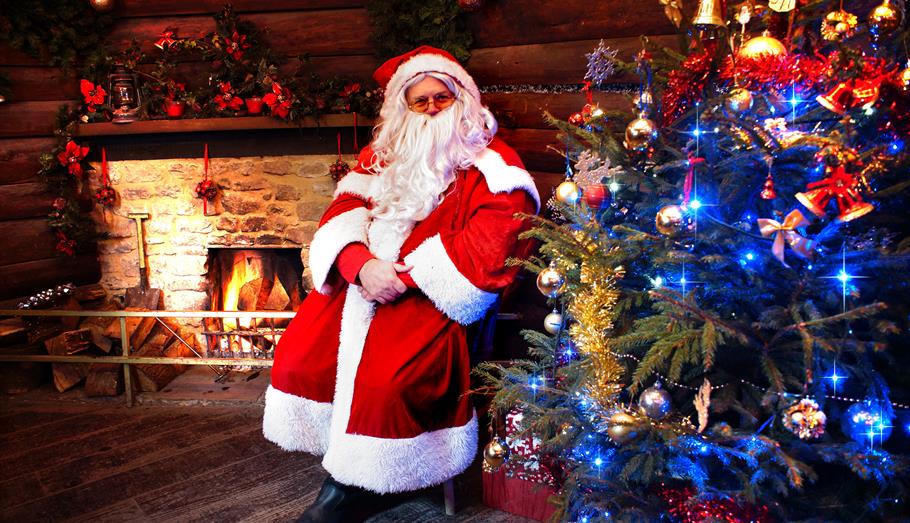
279 100
175 90
350 89
59 203
235 45
64 244
226 99
72 156
93 94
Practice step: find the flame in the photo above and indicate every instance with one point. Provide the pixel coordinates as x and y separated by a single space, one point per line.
247 266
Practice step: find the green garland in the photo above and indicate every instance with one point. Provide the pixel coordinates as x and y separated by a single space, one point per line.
401 25
57 32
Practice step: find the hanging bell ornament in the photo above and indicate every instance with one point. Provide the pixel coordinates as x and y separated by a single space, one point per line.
655 402
738 101
621 428
669 220
764 46
551 282
641 133
884 19
495 454
553 322
568 192
838 99
709 19
768 192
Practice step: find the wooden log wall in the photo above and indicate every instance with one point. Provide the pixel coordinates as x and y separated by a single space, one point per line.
516 42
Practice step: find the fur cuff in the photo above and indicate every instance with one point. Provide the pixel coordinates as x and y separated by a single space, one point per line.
295 423
399 465
504 178
347 227
438 278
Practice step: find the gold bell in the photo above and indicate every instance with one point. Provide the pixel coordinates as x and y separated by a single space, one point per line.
709 18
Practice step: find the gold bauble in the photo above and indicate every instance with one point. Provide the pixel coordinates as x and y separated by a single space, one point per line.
102 6
669 220
621 427
884 19
641 133
550 282
762 46
568 192
495 454
904 79
738 101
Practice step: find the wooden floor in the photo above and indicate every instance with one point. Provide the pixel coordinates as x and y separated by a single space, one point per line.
104 462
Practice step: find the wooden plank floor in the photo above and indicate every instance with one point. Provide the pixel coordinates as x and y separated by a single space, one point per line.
104 462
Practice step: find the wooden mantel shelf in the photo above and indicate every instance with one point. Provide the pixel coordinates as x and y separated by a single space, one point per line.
239 123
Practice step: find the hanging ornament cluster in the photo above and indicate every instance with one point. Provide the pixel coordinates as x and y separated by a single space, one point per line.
805 419
550 282
590 172
840 186
655 402
868 422
48 297
106 195
838 26
207 189
495 454
340 167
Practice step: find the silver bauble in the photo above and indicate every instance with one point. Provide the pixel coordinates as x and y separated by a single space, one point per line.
655 402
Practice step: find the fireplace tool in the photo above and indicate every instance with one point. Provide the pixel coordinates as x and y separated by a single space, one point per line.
142 296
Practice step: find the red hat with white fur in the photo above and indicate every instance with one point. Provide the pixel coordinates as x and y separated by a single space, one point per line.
395 73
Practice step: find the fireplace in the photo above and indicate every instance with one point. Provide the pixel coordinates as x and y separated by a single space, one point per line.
242 279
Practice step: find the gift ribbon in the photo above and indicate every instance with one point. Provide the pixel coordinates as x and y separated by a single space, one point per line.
786 232
205 177
690 177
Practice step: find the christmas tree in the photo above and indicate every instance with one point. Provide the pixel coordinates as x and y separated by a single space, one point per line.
729 278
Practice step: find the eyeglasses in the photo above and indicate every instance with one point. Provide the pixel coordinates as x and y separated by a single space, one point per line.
440 100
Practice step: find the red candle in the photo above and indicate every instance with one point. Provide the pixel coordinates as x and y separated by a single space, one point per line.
254 105
174 109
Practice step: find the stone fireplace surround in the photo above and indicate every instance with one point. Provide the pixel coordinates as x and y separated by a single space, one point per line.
266 201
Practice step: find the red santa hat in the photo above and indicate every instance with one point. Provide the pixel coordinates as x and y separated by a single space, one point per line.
396 72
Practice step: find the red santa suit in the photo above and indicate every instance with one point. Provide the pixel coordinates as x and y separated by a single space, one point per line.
379 389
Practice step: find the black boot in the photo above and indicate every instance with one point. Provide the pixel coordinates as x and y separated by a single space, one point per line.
339 503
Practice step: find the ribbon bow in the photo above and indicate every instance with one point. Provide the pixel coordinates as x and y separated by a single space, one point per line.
786 232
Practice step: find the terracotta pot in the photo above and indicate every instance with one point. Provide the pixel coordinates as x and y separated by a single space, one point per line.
253 105
174 109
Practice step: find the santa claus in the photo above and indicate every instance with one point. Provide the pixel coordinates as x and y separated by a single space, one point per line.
372 372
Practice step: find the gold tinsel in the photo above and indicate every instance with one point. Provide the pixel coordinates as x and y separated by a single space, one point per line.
593 309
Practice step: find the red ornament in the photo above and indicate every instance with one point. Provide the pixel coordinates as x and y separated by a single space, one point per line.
279 100
166 39
226 99
64 244
106 196
71 158
841 186
768 192
685 507
576 119
254 105
597 196
206 190
338 169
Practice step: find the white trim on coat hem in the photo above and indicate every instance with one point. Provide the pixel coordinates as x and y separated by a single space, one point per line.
331 238
296 423
439 278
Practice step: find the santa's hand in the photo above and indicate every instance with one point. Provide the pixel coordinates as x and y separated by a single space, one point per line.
379 280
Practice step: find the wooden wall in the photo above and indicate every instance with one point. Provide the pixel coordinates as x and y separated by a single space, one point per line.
516 42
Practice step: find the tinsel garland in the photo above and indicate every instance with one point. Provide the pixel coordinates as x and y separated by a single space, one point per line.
686 85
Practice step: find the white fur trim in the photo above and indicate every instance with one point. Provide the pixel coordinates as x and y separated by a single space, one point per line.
347 227
504 178
439 278
398 465
427 62
357 184
295 423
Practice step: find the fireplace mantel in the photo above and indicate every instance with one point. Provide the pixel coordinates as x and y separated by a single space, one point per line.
240 123
227 137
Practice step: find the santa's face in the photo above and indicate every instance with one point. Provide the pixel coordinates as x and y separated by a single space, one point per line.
429 96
